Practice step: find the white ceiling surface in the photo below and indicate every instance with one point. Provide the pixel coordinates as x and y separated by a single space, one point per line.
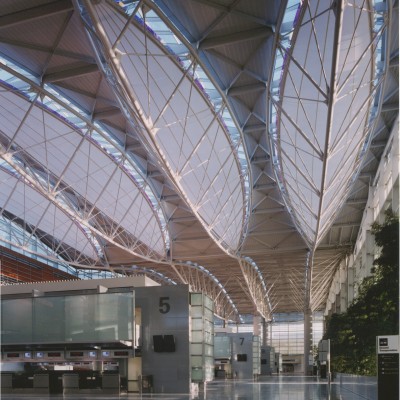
185 153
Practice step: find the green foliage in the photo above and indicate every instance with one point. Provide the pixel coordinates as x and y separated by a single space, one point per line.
375 312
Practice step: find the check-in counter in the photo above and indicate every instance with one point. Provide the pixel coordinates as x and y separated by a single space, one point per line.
110 383
6 383
41 383
70 383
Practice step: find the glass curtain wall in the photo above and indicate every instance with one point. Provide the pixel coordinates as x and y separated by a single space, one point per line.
286 333
11 232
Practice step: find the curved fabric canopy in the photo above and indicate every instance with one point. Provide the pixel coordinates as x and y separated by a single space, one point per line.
189 136
72 162
323 109
22 201
162 135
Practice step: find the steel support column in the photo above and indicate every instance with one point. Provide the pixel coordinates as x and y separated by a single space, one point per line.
307 340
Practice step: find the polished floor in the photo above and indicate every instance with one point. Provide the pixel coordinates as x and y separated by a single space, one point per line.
267 388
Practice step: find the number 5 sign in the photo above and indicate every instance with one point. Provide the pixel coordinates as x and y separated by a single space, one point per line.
164 306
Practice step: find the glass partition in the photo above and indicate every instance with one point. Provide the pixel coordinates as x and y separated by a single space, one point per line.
104 317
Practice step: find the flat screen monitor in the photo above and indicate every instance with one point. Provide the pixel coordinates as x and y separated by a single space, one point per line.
169 343
76 353
158 343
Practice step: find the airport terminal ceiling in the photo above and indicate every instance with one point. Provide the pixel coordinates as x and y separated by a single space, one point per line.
228 145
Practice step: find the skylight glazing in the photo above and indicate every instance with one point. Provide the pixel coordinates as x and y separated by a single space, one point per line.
14 237
20 199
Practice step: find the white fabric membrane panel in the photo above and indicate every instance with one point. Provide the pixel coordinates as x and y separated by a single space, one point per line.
192 141
303 103
12 110
26 203
84 168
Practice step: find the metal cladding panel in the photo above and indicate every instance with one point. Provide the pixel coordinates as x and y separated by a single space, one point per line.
242 355
165 311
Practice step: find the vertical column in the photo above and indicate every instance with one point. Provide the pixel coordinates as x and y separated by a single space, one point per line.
343 285
350 280
270 334
370 251
256 325
307 340
264 332
395 197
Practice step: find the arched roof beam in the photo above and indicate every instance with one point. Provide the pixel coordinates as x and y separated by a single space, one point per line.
21 177
78 121
136 249
138 108
225 308
256 287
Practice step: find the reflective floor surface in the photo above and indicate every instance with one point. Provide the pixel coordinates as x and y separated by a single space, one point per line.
267 388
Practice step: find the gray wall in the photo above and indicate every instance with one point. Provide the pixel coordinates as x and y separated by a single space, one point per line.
242 343
165 311
268 354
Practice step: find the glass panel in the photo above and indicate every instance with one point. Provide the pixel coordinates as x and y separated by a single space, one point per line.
82 318
196 361
48 319
208 303
197 312
197 374
208 350
197 324
197 337
196 348
222 347
209 314
208 326
196 299
114 317
208 337
16 321
79 318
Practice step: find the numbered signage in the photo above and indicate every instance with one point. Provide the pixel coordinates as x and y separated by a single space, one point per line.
164 305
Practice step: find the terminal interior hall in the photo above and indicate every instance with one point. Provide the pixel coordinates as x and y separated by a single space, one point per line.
189 192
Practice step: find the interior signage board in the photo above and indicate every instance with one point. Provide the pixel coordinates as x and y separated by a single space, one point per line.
388 367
